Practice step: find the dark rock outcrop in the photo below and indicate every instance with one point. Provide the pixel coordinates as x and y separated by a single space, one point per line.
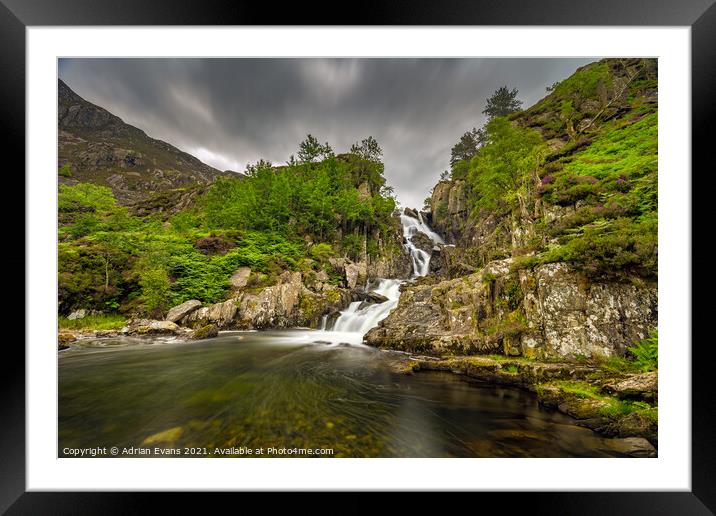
98 147
552 311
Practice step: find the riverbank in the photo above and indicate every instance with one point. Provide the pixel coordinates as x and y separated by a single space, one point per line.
609 401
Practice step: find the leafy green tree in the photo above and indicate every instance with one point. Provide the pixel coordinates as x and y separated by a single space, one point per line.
368 149
252 169
498 172
310 150
155 289
466 148
502 103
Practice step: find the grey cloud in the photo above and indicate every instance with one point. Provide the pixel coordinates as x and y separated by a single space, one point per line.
230 112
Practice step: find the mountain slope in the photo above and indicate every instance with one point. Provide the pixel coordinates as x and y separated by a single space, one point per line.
553 226
96 146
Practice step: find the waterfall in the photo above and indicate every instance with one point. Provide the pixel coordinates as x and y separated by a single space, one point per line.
420 259
361 316
359 320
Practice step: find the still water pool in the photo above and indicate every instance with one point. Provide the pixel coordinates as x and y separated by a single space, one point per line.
280 390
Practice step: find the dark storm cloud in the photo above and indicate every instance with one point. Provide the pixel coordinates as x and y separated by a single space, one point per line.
229 112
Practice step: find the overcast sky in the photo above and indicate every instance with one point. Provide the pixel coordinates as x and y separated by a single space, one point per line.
230 112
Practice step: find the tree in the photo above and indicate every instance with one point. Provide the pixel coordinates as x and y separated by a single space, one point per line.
368 148
252 170
502 103
310 149
467 147
499 173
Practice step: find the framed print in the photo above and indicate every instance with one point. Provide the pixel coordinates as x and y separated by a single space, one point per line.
434 251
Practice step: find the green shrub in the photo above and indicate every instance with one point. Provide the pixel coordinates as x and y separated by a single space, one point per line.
646 352
65 170
322 252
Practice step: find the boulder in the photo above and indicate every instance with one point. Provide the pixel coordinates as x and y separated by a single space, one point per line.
356 273
576 316
410 212
422 242
205 332
64 339
272 306
338 264
152 327
374 297
221 314
177 313
78 314
240 277
635 424
634 447
642 386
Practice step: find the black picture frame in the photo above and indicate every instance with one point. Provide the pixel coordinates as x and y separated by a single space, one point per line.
700 15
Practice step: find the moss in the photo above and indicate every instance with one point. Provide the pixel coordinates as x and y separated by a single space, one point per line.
205 332
610 406
510 369
93 322
333 296
309 306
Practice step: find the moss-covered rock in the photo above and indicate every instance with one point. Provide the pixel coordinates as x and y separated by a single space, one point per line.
208 331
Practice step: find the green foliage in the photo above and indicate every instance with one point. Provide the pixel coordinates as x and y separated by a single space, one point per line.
65 170
460 169
322 252
85 197
295 200
502 103
112 260
498 172
310 150
93 322
368 149
155 287
611 407
353 245
646 352
618 245
559 113
468 145
614 177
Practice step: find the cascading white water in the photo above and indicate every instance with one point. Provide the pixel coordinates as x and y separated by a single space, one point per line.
355 321
359 320
411 226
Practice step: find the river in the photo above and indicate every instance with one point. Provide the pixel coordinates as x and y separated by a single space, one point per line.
274 389
297 390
